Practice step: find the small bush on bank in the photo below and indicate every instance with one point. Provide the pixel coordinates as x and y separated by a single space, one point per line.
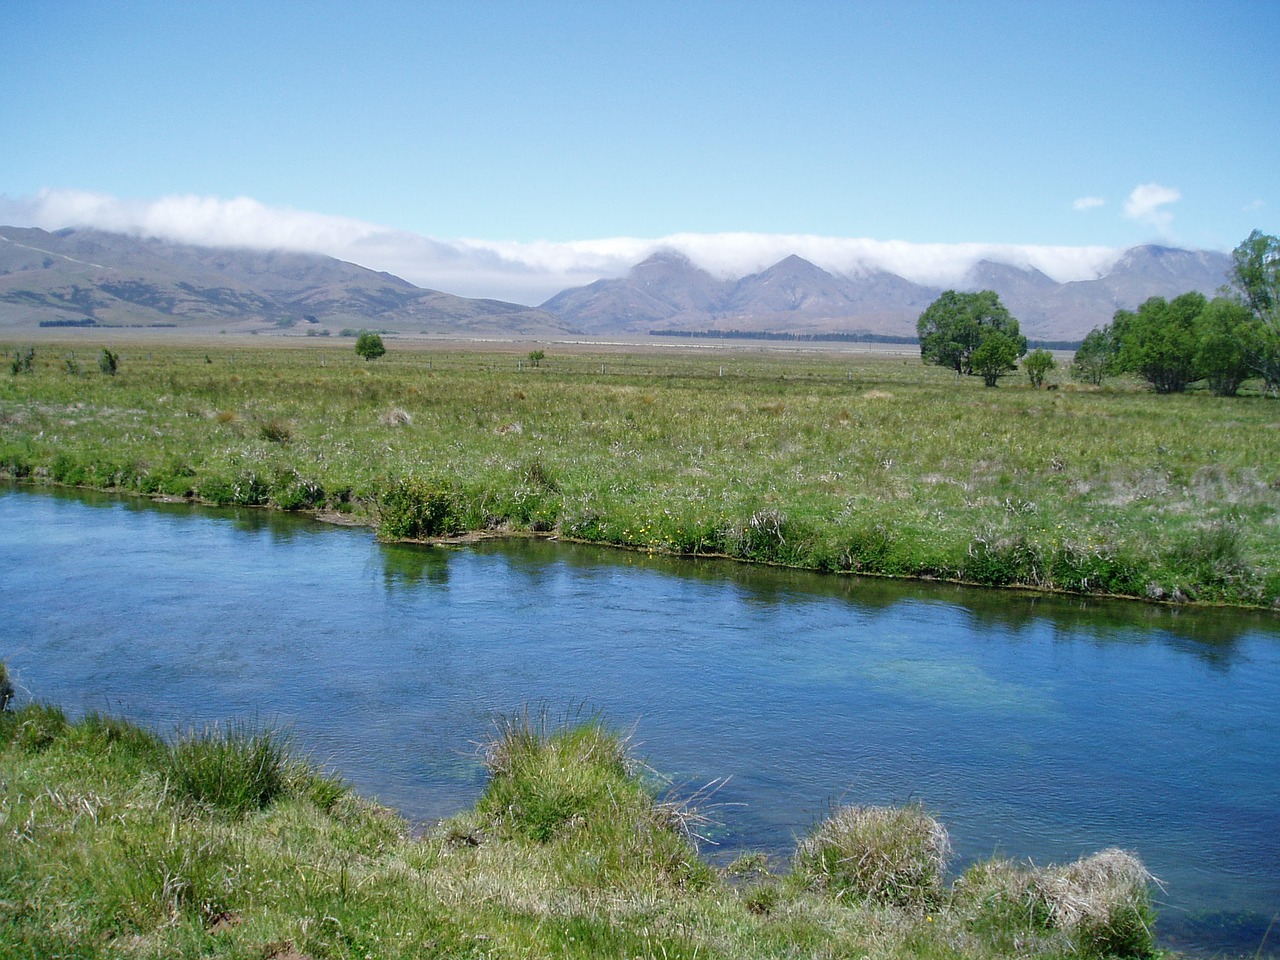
412 508
891 855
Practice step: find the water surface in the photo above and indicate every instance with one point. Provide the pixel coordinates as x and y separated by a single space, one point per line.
1032 727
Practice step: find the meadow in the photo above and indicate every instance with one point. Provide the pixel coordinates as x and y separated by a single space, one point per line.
839 461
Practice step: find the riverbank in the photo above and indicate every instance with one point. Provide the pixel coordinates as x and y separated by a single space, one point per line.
223 843
842 462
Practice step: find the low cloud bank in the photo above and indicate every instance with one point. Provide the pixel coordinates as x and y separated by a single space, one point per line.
525 272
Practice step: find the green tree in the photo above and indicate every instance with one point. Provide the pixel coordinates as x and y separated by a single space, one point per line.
954 326
995 356
108 362
1037 363
1255 275
537 356
1225 333
1096 357
1158 342
369 345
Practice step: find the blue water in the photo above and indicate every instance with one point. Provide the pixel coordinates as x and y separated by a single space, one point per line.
1032 727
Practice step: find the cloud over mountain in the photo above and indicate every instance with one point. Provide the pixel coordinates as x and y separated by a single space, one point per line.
532 271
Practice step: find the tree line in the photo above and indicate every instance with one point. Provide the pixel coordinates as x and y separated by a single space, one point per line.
1171 344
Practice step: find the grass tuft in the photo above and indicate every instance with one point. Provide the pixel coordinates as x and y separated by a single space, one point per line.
890 855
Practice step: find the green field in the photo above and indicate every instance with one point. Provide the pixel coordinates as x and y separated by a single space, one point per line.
857 462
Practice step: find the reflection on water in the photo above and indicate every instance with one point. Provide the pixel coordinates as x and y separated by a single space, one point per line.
1032 726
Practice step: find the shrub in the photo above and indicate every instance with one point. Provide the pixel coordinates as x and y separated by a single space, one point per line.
108 362
1037 363
418 507
891 855
22 361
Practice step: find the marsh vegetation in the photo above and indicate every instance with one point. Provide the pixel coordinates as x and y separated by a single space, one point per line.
855 463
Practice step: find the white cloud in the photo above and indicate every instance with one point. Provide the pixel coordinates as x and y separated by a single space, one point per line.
1147 201
1088 203
526 272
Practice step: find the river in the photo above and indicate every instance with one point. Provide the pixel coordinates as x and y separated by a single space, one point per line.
1031 726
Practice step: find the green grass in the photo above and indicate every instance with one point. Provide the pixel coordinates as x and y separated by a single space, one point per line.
848 463
572 851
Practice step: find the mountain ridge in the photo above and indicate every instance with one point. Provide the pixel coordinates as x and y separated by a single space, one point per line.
97 278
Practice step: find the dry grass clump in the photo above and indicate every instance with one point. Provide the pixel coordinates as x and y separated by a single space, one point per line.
1100 903
396 417
892 855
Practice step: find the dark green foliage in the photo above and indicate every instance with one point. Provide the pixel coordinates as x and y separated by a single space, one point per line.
108 362
1256 278
1097 356
369 345
1158 342
996 355
411 508
1224 335
22 361
954 326
1037 363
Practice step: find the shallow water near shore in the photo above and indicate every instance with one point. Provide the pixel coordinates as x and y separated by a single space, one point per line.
1033 727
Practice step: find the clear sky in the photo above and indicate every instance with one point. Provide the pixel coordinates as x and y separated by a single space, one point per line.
564 138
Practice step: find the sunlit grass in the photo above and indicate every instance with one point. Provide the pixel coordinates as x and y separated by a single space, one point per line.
570 852
843 462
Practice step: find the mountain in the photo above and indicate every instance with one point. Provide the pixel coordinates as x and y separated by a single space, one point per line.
668 292
95 278
1067 311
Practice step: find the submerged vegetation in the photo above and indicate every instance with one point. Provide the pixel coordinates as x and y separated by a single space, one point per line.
115 842
852 463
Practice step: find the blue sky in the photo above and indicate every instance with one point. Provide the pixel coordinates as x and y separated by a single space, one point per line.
558 140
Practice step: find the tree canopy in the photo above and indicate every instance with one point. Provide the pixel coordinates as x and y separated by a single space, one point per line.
1037 363
1255 275
955 326
369 345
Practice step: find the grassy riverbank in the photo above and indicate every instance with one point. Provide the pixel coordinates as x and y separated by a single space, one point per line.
844 462
116 843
